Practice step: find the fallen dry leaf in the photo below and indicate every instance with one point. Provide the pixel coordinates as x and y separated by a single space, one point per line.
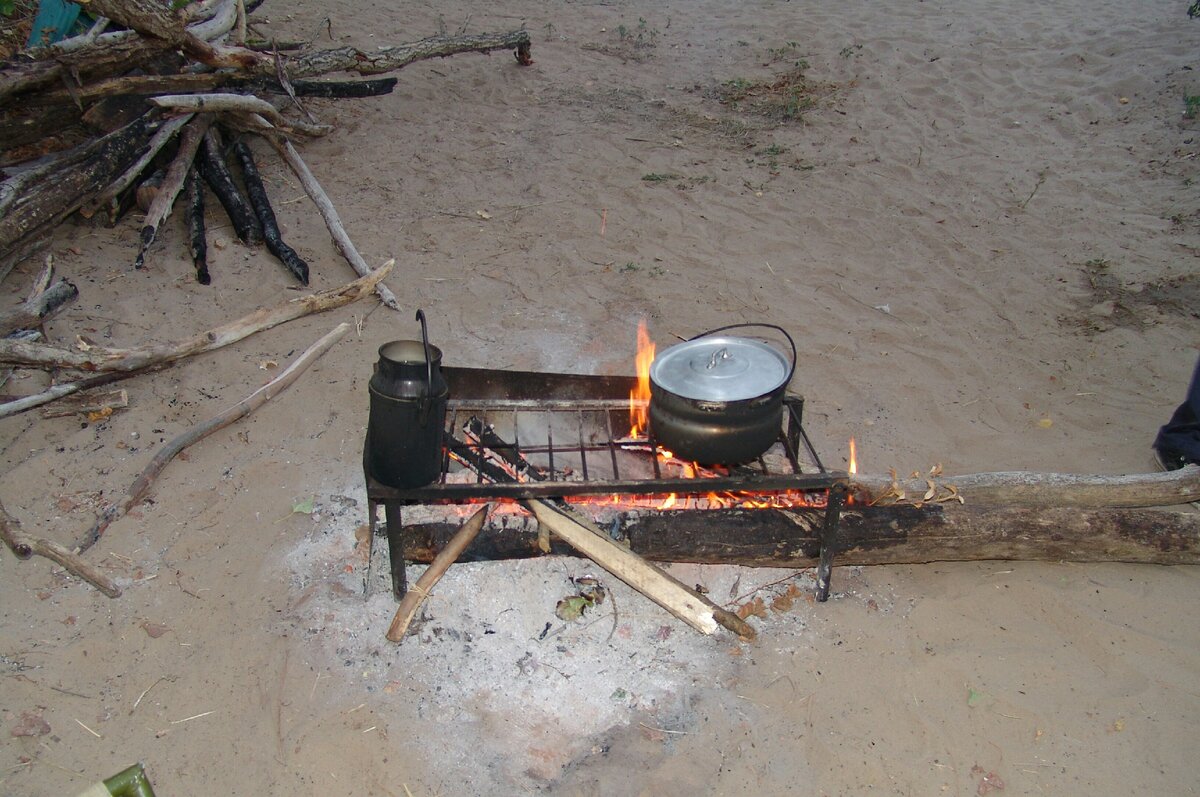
782 604
755 607
154 630
31 724
99 415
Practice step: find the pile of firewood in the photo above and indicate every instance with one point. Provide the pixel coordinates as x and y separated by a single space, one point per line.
163 106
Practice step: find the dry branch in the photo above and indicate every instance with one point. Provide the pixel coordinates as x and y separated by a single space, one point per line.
238 103
23 547
389 59
131 360
40 307
172 184
141 484
416 595
1041 489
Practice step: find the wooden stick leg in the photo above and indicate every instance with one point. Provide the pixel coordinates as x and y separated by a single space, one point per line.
408 607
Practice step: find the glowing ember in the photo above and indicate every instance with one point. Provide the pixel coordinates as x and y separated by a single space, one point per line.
639 397
853 458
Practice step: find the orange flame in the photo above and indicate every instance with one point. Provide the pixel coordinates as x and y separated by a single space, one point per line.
853 458
639 397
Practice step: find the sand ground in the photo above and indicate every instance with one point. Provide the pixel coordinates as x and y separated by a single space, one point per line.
983 231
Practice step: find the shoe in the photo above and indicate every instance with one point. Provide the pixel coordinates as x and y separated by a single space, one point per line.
1170 459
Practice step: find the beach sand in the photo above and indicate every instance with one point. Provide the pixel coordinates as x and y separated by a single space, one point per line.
980 221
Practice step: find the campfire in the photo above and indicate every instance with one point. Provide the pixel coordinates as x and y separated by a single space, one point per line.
524 441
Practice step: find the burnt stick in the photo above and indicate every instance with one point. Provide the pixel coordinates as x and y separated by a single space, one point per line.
216 174
198 247
487 437
266 216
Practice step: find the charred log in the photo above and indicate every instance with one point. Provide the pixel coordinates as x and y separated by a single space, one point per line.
216 173
197 246
34 201
900 534
266 216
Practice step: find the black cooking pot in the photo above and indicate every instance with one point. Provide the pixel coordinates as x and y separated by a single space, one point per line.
718 399
409 395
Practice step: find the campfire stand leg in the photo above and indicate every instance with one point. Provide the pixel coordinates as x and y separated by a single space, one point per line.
395 534
833 516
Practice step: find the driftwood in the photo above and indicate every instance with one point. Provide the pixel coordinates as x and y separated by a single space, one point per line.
1038 489
266 216
900 534
389 59
23 547
100 401
237 103
417 593
172 184
44 302
141 485
96 358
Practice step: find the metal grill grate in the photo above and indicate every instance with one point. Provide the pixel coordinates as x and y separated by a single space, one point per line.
577 447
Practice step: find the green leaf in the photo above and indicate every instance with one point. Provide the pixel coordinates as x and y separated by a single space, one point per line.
571 608
974 696
306 506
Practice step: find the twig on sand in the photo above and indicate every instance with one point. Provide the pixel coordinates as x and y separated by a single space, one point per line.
141 484
23 547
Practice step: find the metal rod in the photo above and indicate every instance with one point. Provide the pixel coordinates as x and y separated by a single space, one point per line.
395 535
612 446
582 449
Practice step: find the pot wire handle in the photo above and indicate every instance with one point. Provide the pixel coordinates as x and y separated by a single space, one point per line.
427 402
776 327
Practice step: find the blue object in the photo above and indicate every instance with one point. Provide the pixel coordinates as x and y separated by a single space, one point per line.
55 19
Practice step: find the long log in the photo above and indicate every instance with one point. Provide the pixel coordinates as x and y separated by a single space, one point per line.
900 534
388 59
1038 489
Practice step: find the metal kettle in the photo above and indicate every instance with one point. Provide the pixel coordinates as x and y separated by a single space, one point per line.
407 423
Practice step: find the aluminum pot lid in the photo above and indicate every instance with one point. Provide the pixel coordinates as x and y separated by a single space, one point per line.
720 368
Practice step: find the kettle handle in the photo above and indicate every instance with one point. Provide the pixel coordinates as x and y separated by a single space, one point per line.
775 327
427 402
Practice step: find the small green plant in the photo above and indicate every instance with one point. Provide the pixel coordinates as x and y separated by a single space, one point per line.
786 51
7 7
1191 104
1194 10
630 267
640 36
660 177
850 50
